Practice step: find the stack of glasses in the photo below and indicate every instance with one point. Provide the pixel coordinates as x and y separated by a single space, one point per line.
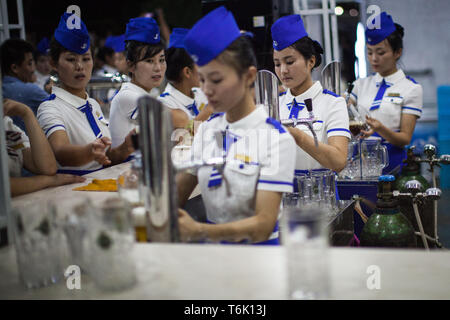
316 188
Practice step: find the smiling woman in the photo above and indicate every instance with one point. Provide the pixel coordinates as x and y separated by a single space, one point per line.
147 66
73 122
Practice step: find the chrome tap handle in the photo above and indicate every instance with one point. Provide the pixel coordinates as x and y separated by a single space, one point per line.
444 159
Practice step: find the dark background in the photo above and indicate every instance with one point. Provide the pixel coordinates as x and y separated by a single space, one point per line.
109 17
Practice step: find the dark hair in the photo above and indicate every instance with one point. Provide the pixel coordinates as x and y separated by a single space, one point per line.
177 59
134 50
12 51
308 48
240 55
104 52
395 39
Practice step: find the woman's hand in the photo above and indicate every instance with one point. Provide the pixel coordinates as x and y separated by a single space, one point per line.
374 124
128 144
63 179
98 150
189 229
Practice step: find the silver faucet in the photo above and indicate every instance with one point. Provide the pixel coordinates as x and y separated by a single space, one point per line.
309 121
161 203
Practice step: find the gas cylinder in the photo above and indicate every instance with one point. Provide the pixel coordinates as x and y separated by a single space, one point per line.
387 226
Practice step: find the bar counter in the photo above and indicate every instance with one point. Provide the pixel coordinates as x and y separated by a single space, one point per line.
219 272
225 272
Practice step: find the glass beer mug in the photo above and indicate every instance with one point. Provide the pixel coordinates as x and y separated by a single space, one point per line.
374 157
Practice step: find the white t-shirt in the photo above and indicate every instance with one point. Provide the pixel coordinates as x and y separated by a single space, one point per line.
404 95
261 158
124 111
330 111
175 99
61 112
16 142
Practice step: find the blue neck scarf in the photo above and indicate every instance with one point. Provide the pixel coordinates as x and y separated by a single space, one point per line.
87 110
295 108
193 108
379 97
228 139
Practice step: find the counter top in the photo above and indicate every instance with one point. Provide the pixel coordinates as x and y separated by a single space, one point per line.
67 190
195 271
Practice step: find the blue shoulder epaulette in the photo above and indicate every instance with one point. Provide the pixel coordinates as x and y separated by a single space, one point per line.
326 91
412 79
215 115
162 95
276 124
282 94
50 97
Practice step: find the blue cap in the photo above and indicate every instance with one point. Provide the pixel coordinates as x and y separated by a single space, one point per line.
387 178
386 27
177 37
109 41
72 33
143 29
287 30
211 35
43 46
117 43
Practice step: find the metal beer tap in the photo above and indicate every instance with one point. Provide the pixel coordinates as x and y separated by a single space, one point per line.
309 122
155 124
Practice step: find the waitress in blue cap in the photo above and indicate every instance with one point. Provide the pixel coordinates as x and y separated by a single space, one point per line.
117 43
72 121
295 55
183 92
43 67
147 67
242 201
392 100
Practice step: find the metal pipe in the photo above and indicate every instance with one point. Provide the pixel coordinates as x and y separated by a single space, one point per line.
161 203
326 31
21 19
6 219
334 31
5 20
419 223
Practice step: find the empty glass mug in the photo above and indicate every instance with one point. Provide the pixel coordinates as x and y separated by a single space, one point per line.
305 237
38 245
111 238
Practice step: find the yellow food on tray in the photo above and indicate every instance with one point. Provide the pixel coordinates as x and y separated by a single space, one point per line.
99 185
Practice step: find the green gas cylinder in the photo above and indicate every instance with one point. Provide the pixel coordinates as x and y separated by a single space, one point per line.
411 171
387 226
